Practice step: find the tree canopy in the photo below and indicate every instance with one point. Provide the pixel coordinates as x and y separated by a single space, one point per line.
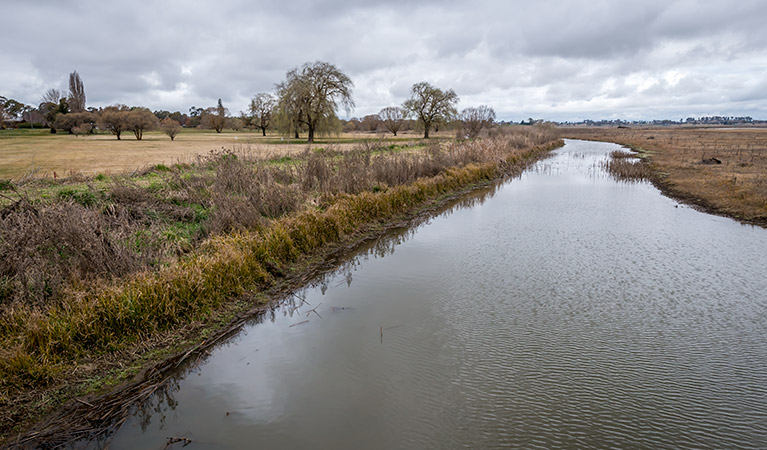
261 109
311 95
431 105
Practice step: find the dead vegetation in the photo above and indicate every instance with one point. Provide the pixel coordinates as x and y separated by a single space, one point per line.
93 266
720 170
625 166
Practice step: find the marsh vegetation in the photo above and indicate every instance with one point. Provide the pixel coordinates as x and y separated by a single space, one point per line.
721 170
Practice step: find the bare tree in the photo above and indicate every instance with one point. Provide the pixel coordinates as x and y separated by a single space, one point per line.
431 105
371 122
475 119
68 122
139 120
235 123
261 109
312 95
76 93
113 118
392 118
170 127
51 96
214 118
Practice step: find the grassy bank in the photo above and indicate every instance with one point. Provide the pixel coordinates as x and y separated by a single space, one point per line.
100 288
722 171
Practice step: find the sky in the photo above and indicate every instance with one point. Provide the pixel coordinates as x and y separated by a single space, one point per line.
553 60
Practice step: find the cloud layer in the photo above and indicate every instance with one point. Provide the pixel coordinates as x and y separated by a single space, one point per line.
551 59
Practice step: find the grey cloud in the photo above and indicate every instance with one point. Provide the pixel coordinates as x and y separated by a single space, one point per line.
553 58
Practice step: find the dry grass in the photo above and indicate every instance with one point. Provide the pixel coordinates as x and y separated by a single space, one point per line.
677 156
265 217
22 151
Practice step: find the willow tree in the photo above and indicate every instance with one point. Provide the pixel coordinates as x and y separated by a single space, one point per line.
311 96
430 105
393 117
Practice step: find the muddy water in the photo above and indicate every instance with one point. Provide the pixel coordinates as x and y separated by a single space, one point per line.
563 310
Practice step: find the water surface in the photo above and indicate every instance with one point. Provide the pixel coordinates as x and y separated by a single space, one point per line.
562 310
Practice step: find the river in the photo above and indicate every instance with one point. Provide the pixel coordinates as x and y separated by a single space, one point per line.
561 309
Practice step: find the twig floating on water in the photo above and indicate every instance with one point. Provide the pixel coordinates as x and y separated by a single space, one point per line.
315 311
173 440
299 323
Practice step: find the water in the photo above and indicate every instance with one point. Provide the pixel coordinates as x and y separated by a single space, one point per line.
562 310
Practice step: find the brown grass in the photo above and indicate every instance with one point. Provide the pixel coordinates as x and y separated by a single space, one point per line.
22 151
736 188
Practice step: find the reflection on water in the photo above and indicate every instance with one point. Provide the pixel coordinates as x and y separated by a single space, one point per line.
559 310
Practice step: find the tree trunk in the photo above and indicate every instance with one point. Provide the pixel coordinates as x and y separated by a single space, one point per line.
297 133
311 135
426 133
263 130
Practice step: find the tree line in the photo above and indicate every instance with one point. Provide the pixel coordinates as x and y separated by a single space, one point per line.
306 102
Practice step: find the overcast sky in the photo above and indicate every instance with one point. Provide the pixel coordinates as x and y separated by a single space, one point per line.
558 60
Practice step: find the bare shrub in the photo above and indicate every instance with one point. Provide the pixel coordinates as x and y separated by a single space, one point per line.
245 193
170 127
41 249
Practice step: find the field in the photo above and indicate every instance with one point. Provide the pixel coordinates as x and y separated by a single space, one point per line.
40 153
720 170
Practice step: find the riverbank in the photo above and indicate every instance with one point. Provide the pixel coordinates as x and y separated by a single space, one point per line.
719 171
107 331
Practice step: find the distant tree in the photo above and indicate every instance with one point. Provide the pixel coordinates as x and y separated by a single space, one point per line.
371 122
262 109
161 114
139 120
82 129
114 119
170 127
76 93
235 123
475 119
3 114
214 118
431 105
352 124
310 97
51 96
392 118
68 122
11 109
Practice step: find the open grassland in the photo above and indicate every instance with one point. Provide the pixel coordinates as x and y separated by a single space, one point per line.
40 153
97 273
721 170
